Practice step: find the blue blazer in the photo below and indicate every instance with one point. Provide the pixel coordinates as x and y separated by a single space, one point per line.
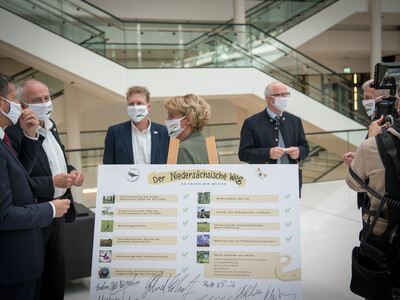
21 250
118 144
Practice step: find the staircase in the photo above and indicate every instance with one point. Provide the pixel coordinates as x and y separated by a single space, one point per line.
321 163
161 45
275 17
56 87
178 46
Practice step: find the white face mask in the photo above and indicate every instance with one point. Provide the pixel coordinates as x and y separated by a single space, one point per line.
15 111
281 103
369 105
174 127
42 110
137 112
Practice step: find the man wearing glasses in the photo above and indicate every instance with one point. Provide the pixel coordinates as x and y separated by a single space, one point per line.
273 136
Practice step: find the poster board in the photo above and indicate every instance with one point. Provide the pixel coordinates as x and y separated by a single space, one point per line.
196 232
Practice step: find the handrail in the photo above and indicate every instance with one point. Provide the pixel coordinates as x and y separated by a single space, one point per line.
294 50
336 131
261 11
104 130
31 73
22 72
219 140
277 3
284 73
34 71
328 171
66 20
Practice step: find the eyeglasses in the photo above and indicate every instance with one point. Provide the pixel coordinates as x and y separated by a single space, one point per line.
281 95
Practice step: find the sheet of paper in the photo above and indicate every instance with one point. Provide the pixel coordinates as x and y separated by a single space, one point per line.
197 232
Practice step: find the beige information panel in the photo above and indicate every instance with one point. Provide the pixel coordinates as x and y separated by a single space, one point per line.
196 232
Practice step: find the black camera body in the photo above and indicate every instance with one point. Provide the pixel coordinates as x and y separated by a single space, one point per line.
386 77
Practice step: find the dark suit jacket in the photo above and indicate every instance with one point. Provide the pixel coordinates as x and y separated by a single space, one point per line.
118 144
260 133
41 177
389 81
21 250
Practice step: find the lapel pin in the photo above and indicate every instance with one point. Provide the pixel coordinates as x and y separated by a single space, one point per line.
155 132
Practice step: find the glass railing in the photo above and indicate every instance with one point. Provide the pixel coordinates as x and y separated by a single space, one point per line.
52 17
95 139
56 87
275 17
323 164
172 45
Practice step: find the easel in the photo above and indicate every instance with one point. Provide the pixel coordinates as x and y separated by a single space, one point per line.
211 151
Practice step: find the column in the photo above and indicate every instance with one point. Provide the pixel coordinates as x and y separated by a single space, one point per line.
181 46
71 110
139 45
239 17
376 34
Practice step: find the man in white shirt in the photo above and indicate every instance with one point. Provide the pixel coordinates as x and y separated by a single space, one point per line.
51 178
138 141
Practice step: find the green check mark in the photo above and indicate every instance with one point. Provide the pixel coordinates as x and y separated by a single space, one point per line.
186 253
288 224
186 196
185 237
289 238
288 196
288 209
184 269
186 209
186 222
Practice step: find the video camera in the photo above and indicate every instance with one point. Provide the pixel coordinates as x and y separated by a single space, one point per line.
386 77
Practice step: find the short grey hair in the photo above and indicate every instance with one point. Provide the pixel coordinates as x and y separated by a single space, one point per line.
268 91
21 93
377 92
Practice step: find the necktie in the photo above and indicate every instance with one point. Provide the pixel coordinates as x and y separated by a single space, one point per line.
284 158
6 139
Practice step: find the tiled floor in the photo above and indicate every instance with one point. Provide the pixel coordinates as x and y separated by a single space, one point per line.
330 223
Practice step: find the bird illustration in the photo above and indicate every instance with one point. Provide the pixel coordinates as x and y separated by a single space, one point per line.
132 174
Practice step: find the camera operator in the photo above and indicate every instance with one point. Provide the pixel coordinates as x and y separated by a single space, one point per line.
371 165
371 96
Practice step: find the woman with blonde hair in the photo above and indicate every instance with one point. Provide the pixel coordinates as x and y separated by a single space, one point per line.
187 116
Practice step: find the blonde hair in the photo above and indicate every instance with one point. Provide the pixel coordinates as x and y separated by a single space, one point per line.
194 107
138 90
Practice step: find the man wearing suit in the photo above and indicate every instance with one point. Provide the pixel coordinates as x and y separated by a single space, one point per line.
51 178
389 80
138 141
21 251
273 136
